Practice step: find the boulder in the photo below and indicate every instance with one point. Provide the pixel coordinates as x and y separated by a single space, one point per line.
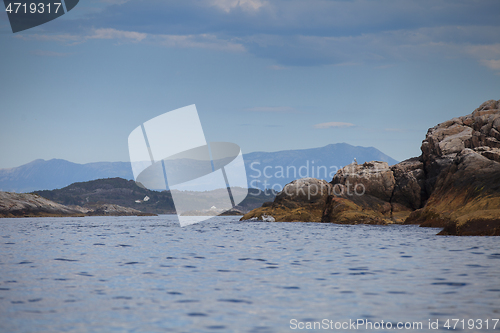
301 200
380 194
303 192
466 199
372 178
409 188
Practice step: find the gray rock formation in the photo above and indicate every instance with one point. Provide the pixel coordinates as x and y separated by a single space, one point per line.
455 183
409 177
384 194
33 205
479 131
301 200
304 191
21 205
373 178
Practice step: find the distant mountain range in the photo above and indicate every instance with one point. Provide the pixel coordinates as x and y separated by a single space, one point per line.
264 169
275 170
56 173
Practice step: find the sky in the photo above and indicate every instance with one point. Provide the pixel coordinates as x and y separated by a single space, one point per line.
267 75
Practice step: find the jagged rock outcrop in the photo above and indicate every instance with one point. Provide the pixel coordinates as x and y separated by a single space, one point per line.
372 178
466 199
479 131
368 193
462 164
381 194
361 194
305 191
454 184
409 187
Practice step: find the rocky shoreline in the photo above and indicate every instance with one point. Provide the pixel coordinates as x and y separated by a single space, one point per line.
454 184
33 205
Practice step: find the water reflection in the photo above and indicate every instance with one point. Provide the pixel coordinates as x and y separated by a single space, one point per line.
146 274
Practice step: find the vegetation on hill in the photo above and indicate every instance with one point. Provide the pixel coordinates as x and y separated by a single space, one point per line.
127 193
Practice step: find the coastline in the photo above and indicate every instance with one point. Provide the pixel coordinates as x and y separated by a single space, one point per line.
454 184
14 205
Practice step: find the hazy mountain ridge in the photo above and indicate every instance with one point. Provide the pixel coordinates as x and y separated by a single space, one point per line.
285 166
58 173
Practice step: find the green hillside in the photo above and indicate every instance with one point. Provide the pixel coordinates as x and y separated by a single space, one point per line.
126 193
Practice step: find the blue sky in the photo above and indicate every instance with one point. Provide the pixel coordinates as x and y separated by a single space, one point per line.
267 75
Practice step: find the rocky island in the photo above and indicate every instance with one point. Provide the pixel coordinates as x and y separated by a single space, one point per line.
113 197
454 184
33 205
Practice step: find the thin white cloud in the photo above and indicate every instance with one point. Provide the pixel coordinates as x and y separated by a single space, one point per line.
63 38
246 5
333 124
485 54
308 33
348 64
94 34
50 53
204 41
493 64
380 49
277 67
273 109
484 51
385 66
117 34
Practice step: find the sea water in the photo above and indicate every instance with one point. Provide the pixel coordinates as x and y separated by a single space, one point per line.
147 274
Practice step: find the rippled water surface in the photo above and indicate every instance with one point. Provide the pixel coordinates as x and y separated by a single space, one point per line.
146 274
